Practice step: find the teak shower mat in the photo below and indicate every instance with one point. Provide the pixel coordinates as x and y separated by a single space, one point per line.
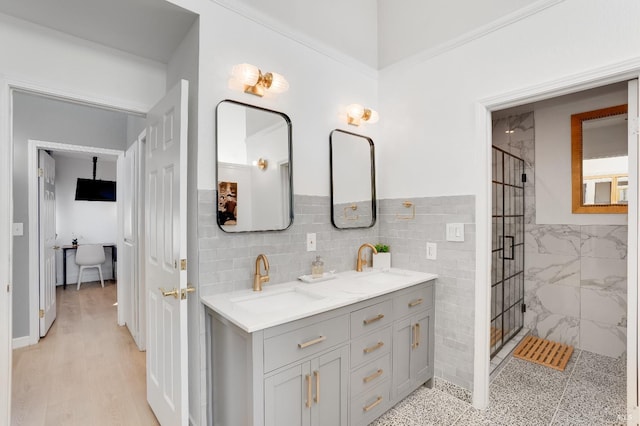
544 352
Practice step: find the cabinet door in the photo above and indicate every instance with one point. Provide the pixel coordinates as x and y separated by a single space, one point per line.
330 374
421 363
286 397
402 347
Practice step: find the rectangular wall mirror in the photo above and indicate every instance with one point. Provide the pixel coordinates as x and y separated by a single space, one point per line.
353 181
600 161
253 173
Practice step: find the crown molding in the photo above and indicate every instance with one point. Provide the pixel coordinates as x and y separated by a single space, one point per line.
296 36
470 36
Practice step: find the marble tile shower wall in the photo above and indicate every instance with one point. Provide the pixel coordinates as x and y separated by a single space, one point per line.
576 285
575 276
227 261
455 266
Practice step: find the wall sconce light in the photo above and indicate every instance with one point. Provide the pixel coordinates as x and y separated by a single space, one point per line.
356 113
261 163
255 82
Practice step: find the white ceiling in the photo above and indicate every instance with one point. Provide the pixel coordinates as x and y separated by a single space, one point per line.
374 32
148 28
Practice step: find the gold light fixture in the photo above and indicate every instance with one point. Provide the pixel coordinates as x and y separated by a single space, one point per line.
261 163
253 81
356 113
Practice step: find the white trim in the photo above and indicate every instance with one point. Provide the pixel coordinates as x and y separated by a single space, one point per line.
120 291
481 357
32 194
303 39
20 342
77 97
597 77
6 248
472 35
632 256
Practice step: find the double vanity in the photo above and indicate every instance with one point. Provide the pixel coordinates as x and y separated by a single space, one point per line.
340 351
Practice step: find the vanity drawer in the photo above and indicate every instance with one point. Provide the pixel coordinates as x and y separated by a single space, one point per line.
370 375
417 299
370 318
370 346
370 405
291 346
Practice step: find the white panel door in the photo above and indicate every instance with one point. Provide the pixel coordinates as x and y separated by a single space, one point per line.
47 236
166 247
127 259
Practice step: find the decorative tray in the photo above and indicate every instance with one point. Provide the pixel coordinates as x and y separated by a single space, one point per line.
309 279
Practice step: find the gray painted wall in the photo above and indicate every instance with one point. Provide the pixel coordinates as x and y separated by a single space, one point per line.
45 119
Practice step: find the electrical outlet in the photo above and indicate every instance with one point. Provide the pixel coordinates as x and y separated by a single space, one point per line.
311 241
432 251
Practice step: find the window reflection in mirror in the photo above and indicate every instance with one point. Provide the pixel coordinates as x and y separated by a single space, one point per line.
600 164
254 190
353 188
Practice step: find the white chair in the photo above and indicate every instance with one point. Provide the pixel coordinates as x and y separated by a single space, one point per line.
90 256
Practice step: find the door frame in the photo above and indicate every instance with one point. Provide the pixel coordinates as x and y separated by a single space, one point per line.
32 164
597 77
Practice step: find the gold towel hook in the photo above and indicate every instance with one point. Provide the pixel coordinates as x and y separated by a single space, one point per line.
407 204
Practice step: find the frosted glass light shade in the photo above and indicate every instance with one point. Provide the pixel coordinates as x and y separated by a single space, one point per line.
355 110
373 117
278 83
246 74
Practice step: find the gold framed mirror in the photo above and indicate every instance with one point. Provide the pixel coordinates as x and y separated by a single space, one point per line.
599 161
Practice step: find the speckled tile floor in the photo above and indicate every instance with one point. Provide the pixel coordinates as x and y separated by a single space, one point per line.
591 391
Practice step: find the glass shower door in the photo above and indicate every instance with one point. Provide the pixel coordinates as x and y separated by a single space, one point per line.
507 247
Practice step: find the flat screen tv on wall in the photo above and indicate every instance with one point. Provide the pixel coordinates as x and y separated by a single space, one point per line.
95 190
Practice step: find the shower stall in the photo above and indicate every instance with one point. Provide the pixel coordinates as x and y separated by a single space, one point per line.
507 248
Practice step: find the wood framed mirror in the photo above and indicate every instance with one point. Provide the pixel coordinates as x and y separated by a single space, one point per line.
599 161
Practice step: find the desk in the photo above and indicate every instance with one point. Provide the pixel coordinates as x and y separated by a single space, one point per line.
64 261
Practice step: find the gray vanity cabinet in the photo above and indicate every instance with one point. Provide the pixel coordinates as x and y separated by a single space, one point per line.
343 367
413 339
309 394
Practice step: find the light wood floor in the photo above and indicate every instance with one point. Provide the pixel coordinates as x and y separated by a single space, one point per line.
86 371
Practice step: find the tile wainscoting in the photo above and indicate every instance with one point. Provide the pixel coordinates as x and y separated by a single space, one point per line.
227 261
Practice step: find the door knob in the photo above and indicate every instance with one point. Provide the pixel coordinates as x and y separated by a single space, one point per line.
183 293
175 292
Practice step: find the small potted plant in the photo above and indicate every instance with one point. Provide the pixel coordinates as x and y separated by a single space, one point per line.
382 260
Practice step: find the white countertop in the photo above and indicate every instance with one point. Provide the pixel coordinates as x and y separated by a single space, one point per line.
282 303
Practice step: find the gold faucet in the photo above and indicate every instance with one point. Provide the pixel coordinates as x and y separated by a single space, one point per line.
258 278
360 260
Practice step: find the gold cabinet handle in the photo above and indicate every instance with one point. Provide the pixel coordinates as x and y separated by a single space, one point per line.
417 335
374 319
372 405
185 291
316 375
166 293
373 376
312 342
413 335
308 379
373 348
415 302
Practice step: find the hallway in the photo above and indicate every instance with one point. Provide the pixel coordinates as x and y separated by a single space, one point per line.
87 370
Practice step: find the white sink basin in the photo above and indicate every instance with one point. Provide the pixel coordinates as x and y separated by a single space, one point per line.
261 303
383 277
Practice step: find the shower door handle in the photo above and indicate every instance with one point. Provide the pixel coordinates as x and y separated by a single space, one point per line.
511 247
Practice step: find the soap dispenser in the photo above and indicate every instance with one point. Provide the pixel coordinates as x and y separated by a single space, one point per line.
317 268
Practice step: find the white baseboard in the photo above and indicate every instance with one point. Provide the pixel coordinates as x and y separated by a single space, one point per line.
20 342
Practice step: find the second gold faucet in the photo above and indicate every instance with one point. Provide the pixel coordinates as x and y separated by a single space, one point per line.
362 261
258 278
